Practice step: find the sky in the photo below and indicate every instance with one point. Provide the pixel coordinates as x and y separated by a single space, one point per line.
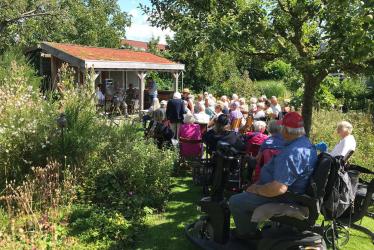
140 29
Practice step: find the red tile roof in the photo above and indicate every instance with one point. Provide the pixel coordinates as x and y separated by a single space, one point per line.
107 54
141 45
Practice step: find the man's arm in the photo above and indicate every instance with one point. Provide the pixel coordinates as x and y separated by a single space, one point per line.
271 189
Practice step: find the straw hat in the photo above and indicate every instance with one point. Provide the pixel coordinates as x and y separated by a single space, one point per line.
186 90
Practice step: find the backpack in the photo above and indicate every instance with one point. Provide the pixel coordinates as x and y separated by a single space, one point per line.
340 191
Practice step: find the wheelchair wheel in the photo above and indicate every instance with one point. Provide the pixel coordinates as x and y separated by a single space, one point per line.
203 229
339 233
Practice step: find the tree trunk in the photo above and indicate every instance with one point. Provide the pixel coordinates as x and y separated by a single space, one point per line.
308 102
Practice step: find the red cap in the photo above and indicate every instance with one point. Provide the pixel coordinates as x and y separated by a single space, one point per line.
292 120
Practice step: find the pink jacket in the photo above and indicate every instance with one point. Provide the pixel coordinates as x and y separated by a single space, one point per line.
192 132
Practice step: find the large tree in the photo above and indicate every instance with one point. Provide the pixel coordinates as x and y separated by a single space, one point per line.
317 37
89 22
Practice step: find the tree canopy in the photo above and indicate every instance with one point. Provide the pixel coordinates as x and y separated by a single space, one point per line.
88 22
316 37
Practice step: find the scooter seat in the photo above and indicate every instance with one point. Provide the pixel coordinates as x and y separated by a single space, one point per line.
270 210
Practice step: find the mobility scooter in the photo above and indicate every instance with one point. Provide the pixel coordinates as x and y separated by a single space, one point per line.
291 228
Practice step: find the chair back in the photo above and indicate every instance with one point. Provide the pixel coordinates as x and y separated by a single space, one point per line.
320 176
235 124
248 125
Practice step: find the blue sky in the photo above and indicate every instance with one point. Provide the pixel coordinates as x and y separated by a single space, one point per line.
141 30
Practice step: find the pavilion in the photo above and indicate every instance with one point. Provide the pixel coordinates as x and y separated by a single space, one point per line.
122 66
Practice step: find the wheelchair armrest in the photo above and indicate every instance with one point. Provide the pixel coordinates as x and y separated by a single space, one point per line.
190 141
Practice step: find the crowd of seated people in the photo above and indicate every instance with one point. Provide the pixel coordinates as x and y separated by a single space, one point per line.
271 133
208 120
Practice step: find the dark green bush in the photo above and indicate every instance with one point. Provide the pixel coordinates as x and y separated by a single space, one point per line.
105 228
272 88
128 174
277 69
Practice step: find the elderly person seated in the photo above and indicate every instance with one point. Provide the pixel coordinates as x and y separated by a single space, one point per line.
259 114
290 170
347 141
235 116
269 148
225 101
188 133
244 108
155 105
218 110
209 108
201 117
256 138
221 132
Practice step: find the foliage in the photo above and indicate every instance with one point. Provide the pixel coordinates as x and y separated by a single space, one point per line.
129 174
272 88
314 37
242 86
103 228
27 122
26 23
164 80
278 69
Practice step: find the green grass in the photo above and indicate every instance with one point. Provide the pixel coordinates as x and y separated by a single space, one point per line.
166 230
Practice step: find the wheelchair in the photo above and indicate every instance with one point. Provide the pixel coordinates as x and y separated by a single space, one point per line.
203 173
291 230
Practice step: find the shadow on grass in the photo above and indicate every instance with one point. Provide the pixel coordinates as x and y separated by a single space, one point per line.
166 231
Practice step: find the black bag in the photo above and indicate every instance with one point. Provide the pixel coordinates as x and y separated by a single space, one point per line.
340 191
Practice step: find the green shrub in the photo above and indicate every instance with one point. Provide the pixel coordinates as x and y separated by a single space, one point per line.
105 228
240 85
272 88
278 69
128 175
27 121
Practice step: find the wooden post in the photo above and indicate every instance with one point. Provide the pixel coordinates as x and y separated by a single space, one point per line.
141 76
53 73
176 77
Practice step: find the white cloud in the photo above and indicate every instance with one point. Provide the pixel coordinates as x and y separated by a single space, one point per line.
144 32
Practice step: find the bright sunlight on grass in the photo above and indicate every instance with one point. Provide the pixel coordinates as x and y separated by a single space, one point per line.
165 231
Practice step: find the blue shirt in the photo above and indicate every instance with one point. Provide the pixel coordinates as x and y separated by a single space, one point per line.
293 166
273 142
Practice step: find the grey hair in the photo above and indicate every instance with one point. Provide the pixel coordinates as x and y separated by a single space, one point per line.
274 128
295 131
177 95
345 126
159 115
200 107
259 125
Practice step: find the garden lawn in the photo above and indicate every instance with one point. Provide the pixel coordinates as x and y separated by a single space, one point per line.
166 230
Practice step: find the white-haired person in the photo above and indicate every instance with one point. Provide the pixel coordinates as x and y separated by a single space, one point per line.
175 110
290 170
235 116
201 117
255 138
244 108
276 108
209 107
154 106
253 100
347 141
260 115
269 148
234 98
225 102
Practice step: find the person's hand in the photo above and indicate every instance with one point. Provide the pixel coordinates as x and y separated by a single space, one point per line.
322 146
251 188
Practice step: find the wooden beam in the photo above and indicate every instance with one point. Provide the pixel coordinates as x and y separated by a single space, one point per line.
176 78
138 66
141 76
